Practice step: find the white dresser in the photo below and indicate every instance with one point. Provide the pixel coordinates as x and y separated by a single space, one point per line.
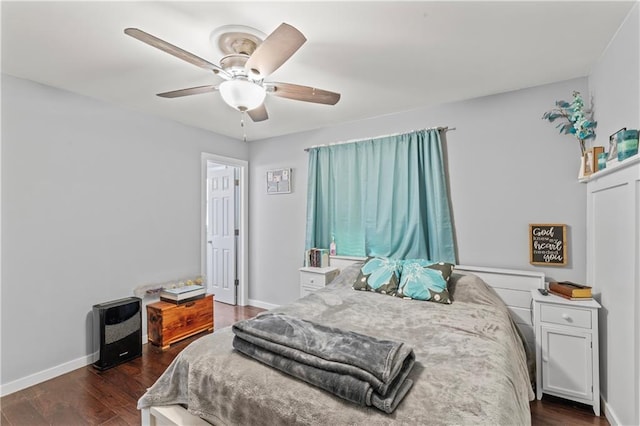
567 348
312 279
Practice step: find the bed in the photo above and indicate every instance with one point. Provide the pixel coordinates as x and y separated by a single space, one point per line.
470 360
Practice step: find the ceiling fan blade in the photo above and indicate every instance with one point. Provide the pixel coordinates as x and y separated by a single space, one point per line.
187 92
275 50
258 114
173 50
303 93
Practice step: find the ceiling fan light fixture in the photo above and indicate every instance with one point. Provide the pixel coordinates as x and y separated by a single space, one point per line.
242 95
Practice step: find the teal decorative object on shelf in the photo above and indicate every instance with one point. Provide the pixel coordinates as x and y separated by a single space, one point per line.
627 144
602 161
577 120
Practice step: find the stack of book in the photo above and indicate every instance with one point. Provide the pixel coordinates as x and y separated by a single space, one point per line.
182 294
317 258
571 291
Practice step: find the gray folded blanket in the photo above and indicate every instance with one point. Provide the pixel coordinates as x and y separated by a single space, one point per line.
358 368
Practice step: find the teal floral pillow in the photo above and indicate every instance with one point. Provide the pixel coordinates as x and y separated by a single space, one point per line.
379 274
424 280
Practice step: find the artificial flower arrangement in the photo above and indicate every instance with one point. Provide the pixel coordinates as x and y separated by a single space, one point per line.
578 121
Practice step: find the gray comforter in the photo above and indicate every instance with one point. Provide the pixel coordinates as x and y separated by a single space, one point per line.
470 365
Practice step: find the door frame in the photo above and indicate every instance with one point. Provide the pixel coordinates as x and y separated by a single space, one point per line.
242 247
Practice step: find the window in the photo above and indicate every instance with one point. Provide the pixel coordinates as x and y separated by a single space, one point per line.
381 197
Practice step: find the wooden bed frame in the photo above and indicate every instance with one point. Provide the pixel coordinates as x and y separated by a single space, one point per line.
513 286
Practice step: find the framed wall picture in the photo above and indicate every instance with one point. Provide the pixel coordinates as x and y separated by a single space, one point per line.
548 244
279 181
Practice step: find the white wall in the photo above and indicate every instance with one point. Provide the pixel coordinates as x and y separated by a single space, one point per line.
615 84
96 200
507 166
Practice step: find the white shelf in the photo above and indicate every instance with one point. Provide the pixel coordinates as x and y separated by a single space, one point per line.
612 168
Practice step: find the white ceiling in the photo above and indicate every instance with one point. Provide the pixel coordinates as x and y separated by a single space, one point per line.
383 57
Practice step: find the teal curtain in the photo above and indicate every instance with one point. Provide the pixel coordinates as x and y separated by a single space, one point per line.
381 197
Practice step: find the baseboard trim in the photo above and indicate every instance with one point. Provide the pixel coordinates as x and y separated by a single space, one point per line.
51 373
48 374
261 304
609 414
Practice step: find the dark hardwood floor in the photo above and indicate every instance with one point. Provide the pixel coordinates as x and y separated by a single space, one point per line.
87 396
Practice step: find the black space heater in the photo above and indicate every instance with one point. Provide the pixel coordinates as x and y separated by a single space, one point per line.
117 331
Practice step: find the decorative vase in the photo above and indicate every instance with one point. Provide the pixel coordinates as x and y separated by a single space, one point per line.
581 174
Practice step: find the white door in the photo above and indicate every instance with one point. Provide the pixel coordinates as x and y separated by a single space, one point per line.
221 237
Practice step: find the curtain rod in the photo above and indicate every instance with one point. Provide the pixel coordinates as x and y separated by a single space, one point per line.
440 128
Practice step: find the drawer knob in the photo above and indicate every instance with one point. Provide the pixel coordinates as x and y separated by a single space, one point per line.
566 317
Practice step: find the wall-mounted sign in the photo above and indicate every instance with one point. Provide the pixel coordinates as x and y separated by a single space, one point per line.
279 181
548 244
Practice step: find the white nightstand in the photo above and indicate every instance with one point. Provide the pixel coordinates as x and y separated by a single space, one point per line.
312 279
567 348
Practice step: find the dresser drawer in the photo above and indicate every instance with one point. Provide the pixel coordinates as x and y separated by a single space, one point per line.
312 279
565 315
309 279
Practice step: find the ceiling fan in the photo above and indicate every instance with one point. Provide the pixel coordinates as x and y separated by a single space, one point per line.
248 59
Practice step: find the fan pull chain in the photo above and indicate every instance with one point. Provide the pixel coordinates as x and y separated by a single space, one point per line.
244 133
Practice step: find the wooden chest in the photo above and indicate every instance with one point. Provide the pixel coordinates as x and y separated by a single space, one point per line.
168 323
